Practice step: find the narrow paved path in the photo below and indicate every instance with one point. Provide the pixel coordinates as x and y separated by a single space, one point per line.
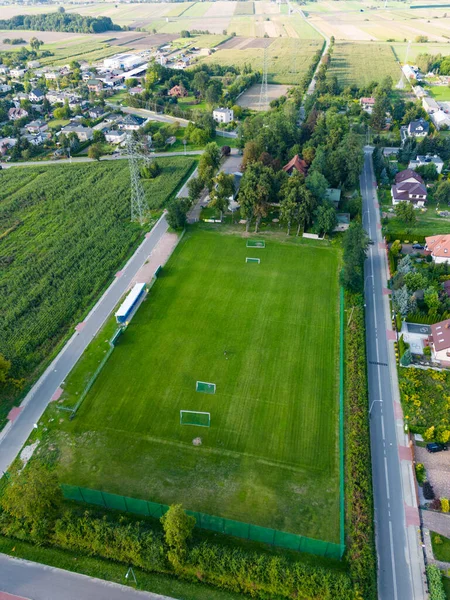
32 581
15 434
438 522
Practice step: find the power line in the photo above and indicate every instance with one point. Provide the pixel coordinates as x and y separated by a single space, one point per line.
264 93
139 204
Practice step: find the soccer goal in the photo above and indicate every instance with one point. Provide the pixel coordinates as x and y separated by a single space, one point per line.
252 260
205 387
256 244
194 417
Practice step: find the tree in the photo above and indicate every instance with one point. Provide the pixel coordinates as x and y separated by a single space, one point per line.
288 210
326 217
222 191
200 82
415 281
255 192
317 185
405 266
195 186
401 300
294 189
176 213
33 495
95 151
98 136
252 151
178 528
405 212
213 92
431 298
355 246
35 44
428 172
208 164
442 192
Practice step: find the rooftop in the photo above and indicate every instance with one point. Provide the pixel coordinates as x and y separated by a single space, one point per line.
441 335
438 245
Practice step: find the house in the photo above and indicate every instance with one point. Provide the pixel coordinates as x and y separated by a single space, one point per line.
178 92
4 88
343 222
439 341
419 91
36 139
223 115
170 141
333 195
6 144
112 118
16 113
4 70
36 95
36 127
422 161
115 137
439 247
418 128
51 76
135 90
411 72
83 133
409 187
33 64
296 164
130 123
17 73
430 105
95 85
367 104
96 112
440 119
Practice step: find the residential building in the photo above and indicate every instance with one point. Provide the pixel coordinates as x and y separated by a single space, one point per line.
367 104
36 126
83 133
410 72
409 187
419 91
130 123
115 137
439 248
441 119
296 164
6 144
4 88
95 85
418 128
135 90
422 161
51 75
33 64
223 115
170 141
36 95
96 112
430 105
4 70
439 341
343 222
178 91
17 73
36 139
14 114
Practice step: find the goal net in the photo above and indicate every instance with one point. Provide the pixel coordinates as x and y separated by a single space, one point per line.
256 244
205 387
252 260
194 417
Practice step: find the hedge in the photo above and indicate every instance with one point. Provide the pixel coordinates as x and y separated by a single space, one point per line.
435 583
402 236
359 495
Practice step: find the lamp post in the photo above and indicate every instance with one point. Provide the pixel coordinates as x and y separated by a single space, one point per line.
371 406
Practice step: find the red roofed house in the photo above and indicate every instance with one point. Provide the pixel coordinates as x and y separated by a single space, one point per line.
409 187
367 104
440 342
178 91
439 246
298 164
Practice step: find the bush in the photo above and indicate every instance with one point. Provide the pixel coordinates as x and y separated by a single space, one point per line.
445 507
436 504
428 491
225 150
435 585
437 539
420 473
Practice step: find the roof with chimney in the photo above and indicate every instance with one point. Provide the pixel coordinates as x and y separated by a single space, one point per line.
298 164
441 335
407 174
438 245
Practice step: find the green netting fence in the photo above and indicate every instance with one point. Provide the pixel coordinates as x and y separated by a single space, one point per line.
246 531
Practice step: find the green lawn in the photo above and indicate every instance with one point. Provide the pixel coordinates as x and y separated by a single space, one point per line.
440 92
55 123
440 551
361 63
446 582
427 223
270 456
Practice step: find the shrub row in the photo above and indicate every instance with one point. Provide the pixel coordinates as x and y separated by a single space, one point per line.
125 540
359 495
435 585
403 235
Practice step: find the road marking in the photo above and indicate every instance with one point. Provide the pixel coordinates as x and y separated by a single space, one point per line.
393 560
382 428
386 477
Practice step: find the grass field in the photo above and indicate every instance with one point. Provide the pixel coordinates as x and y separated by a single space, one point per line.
288 59
360 64
440 92
64 231
270 456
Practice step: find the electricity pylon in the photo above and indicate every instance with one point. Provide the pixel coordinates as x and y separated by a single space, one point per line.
139 204
264 93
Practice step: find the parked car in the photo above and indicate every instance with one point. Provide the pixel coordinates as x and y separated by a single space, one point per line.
435 447
418 247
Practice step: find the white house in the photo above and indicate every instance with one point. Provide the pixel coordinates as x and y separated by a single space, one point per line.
422 161
115 137
410 72
409 187
36 127
223 115
83 133
17 73
418 128
430 105
440 119
36 95
439 247
367 104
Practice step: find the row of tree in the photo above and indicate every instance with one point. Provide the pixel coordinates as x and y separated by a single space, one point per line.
60 21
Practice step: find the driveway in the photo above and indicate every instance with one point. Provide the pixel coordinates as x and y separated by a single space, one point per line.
438 470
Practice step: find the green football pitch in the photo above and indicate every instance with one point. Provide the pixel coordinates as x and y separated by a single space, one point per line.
267 337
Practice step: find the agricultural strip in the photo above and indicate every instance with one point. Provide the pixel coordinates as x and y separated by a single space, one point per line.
64 231
270 344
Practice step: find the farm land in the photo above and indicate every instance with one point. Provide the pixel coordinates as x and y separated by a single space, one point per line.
212 317
65 230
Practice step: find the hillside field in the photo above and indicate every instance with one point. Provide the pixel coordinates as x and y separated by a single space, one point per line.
64 231
267 336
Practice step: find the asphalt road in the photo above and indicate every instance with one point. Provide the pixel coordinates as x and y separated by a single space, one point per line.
32 581
400 559
15 434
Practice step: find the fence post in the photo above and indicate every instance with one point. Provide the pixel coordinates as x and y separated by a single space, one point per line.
81 494
103 498
125 502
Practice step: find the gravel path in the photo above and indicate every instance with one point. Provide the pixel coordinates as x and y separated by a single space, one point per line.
438 470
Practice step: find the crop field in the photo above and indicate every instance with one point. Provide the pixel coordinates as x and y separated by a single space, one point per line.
250 98
288 59
360 64
245 8
64 231
267 336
